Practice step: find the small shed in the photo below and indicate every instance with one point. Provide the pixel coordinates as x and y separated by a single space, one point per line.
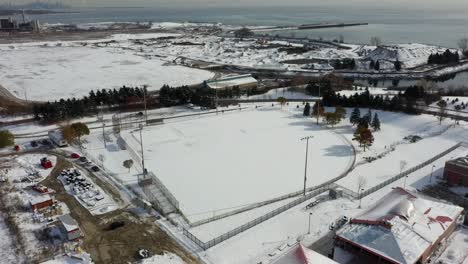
46 163
39 202
70 227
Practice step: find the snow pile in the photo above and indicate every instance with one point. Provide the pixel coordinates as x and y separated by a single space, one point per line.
411 55
456 252
166 258
82 258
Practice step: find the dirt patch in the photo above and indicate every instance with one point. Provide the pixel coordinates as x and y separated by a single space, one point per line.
118 245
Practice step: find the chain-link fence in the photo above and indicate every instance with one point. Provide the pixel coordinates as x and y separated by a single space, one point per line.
351 164
263 218
169 196
319 189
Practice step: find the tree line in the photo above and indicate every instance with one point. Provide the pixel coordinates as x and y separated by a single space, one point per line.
444 58
402 102
73 108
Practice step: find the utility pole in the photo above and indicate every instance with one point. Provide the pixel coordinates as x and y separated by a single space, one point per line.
103 136
216 94
306 158
142 152
360 197
318 105
144 100
310 215
404 183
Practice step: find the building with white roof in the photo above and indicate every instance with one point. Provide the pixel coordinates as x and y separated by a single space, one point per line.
298 254
244 81
400 228
70 227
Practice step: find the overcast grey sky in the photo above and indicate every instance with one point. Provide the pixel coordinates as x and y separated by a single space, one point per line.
451 4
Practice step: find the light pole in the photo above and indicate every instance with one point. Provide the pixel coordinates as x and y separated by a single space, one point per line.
142 152
103 136
318 105
432 171
144 100
360 197
310 215
404 183
306 158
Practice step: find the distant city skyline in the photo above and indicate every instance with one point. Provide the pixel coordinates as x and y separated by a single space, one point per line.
423 4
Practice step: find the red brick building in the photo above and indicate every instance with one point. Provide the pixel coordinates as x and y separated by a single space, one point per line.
456 171
41 201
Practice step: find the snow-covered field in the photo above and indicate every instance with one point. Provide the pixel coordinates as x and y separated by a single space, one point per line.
38 72
54 70
396 126
234 159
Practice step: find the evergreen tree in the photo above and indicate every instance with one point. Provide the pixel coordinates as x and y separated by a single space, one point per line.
364 137
376 122
340 112
367 118
355 116
307 109
331 118
377 66
372 64
6 139
397 65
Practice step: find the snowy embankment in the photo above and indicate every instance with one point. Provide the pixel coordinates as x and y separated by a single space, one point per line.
41 73
166 258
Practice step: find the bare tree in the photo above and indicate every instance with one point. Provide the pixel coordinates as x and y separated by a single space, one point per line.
463 44
376 41
442 104
429 86
101 158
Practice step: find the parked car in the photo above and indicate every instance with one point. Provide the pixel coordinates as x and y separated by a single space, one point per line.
83 159
95 168
46 142
34 144
75 156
